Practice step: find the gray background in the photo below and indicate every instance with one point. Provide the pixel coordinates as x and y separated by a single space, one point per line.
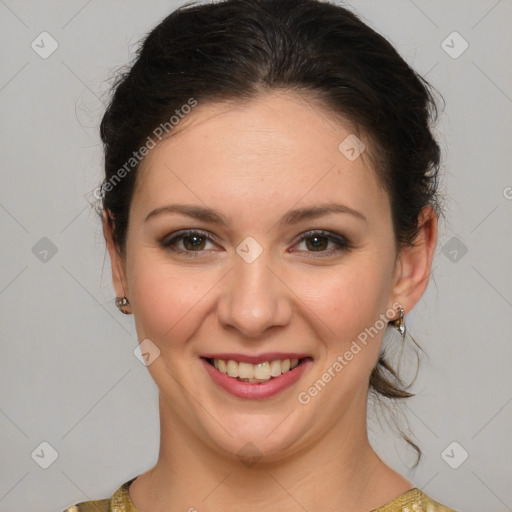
68 373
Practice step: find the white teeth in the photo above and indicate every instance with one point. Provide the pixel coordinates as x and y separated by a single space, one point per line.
261 372
275 368
232 368
245 370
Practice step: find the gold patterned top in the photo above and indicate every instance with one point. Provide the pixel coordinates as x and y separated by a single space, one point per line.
413 500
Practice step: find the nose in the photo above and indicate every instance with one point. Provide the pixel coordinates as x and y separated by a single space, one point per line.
254 298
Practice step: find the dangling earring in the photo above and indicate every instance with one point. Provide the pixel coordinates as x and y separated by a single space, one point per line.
399 324
121 303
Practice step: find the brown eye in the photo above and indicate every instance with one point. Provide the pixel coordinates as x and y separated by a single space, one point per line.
190 241
193 242
317 243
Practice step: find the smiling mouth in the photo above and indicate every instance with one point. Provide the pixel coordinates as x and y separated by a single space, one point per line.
256 373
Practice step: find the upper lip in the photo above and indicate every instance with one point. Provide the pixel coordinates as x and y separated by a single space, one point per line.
255 359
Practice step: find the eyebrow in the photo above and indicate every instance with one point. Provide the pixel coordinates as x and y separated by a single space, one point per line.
291 217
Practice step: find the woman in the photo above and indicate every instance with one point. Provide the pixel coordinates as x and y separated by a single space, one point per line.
270 211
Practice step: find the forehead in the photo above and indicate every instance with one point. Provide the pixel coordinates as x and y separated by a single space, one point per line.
279 148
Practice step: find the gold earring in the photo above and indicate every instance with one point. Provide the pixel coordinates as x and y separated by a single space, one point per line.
399 324
121 303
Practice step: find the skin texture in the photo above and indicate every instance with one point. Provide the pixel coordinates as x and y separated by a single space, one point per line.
253 162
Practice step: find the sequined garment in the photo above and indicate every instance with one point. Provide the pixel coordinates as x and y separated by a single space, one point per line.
410 501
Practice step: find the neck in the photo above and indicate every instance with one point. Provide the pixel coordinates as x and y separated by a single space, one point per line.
339 471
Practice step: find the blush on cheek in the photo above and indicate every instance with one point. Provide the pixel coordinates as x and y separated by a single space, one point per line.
167 307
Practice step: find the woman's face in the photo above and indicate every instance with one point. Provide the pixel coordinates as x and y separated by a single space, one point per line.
255 178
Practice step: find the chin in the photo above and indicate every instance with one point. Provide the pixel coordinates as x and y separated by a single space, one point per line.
256 438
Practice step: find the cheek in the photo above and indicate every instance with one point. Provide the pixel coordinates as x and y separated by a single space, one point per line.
351 303
349 297
166 299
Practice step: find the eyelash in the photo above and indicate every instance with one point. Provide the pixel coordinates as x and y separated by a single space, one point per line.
343 243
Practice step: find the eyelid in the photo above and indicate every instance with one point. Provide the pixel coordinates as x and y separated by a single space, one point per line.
342 243
324 233
211 237
168 240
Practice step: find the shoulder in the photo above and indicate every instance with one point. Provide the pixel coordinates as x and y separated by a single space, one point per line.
120 501
90 506
429 505
414 501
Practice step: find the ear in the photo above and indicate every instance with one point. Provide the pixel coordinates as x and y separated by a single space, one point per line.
412 271
117 261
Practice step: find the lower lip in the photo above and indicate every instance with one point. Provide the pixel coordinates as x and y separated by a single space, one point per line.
255 390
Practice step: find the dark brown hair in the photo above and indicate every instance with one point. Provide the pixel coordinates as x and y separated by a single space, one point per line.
237 49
